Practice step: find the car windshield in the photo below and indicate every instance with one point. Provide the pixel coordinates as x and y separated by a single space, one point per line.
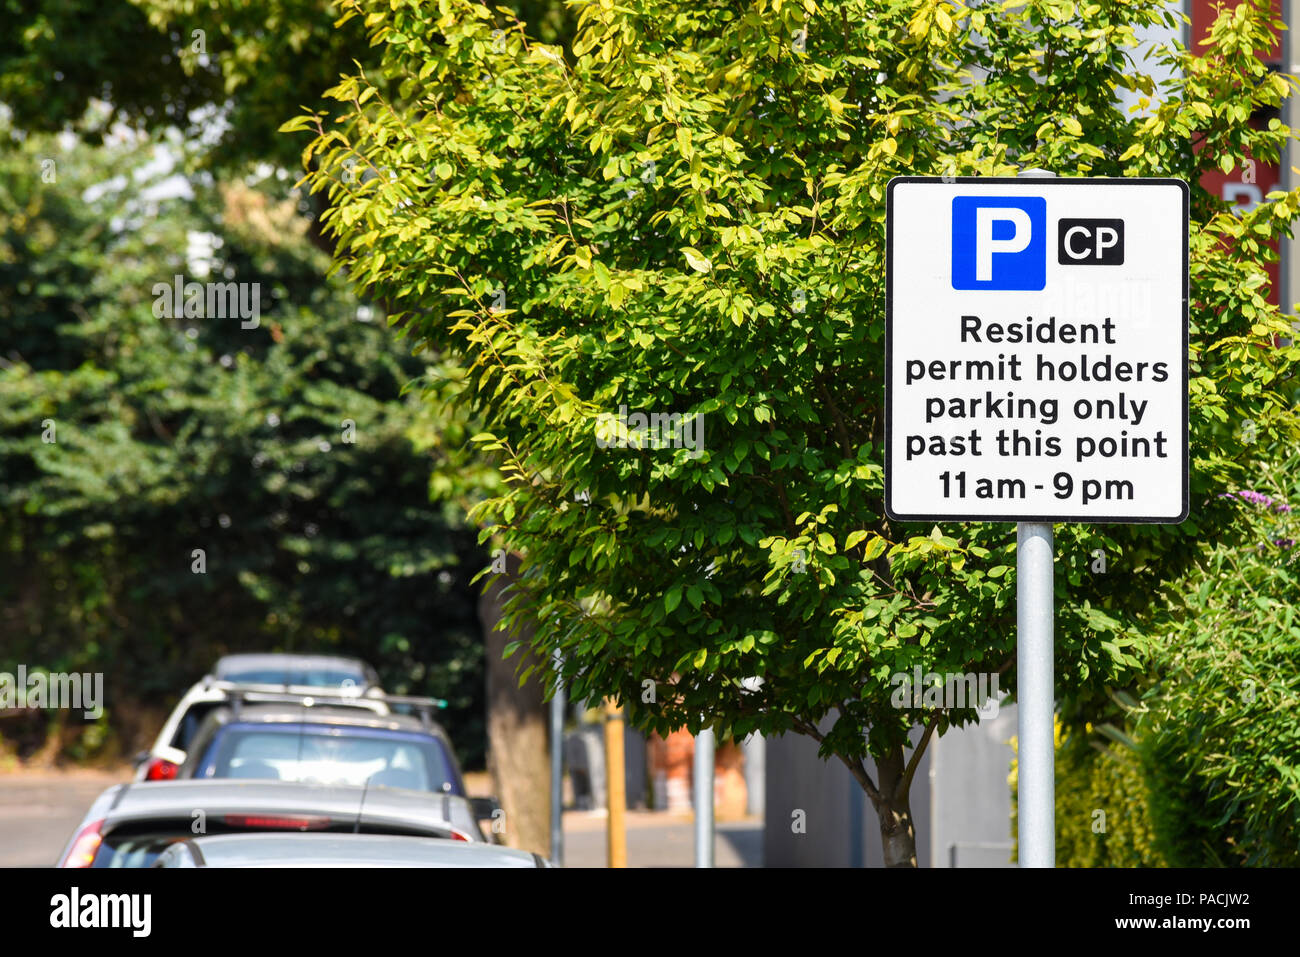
319 754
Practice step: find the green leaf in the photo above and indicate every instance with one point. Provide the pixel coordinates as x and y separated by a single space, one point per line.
697 260
296 124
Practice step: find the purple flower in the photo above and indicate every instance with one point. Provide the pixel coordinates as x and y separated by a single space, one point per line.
1258 498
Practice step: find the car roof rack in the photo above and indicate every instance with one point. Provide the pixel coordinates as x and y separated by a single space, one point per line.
337 691
241 694
423 707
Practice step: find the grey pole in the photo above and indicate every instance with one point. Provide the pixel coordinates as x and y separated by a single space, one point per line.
704 798
1036 704
557 765
1035 785
755 748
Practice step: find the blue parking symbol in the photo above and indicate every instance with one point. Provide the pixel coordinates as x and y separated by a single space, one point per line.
999 242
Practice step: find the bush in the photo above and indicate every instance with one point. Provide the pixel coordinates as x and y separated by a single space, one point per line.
1219 734
1102 804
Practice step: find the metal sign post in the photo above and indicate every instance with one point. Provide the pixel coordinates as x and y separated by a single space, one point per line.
1036 695
1036 761
1036 372
704 748
557 764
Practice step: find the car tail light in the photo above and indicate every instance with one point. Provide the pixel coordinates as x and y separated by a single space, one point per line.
84 846
277 823
458 836
160 769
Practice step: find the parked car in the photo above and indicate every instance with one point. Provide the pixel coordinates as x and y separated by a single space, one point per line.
354 681
129 825
344 850
322 744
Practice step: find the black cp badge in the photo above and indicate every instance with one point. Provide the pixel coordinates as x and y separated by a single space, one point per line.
1090 242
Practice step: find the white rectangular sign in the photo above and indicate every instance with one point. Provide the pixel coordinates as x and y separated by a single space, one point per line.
1036 343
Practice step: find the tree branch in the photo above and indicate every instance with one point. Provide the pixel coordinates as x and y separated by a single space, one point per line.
905 782
859 772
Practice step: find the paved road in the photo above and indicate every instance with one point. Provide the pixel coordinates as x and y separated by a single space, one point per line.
660 840
39 811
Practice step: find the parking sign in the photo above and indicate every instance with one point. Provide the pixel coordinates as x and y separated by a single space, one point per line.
1036 343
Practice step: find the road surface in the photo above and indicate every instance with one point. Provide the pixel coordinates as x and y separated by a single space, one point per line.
40 810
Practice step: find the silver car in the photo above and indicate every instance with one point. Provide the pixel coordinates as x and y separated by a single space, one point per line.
339 850
129 825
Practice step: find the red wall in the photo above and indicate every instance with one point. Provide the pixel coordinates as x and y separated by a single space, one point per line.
1246 186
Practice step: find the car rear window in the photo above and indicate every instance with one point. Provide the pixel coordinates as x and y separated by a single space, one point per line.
311 678
320 754
138 844
130 847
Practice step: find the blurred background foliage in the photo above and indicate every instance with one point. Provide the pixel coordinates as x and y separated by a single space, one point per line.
291 453
173 436
225 71
1103 816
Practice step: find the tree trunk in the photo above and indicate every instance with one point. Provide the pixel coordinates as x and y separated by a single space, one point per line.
517 726
897 833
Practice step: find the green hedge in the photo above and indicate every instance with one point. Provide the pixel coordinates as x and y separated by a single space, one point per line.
1102 805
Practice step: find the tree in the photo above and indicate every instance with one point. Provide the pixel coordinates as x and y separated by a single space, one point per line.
686 218
518 755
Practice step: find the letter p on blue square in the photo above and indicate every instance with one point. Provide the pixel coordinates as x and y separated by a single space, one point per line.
999 242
